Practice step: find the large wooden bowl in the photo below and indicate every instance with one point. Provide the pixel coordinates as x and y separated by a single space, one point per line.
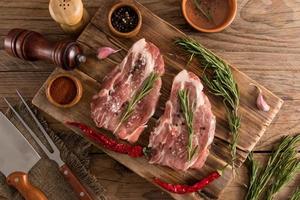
229 19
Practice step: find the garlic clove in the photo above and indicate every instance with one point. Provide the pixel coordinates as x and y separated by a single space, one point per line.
260 101
104 52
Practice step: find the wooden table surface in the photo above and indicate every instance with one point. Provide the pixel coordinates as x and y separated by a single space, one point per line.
263 42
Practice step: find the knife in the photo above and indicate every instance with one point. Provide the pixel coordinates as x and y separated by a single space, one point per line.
17 157
70 177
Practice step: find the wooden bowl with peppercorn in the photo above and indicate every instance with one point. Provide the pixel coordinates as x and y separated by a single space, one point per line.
124 19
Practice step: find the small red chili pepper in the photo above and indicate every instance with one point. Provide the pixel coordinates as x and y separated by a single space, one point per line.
183 189
108 143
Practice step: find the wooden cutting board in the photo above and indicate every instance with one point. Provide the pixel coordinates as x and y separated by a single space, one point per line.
162 34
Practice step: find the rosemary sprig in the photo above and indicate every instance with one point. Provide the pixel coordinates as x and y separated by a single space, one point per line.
199 7
287 171
281 167
141 93
187 110
221 83
296 195
254 169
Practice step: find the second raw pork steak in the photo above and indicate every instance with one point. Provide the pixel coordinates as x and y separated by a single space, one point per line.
170 139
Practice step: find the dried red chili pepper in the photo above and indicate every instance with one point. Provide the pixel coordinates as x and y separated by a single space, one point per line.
183 189
108 143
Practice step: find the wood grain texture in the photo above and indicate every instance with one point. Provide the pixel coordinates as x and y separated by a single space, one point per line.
120 181
253 123
27 82
151 30
263 42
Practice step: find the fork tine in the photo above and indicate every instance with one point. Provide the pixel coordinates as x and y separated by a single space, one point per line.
28 128
38 123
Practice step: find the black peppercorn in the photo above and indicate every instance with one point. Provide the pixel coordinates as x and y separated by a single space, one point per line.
124 19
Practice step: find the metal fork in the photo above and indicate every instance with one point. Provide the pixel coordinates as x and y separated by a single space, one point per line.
55 155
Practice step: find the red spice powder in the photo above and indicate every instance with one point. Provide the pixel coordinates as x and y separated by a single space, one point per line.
63 90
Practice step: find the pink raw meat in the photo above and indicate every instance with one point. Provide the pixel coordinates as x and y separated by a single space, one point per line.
169 140
120 86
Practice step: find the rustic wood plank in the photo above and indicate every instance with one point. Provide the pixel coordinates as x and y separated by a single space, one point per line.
12 64
27 82
117 178
254 123
260 36
263 31
284 83
246 49
123 182
285 123
174 63
264 38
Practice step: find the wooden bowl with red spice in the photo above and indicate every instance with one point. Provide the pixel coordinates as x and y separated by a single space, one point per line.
64 90
209 15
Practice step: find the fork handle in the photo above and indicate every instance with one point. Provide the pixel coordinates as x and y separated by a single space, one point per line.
78 188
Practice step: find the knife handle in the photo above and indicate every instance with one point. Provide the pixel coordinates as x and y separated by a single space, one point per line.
79 189
19 180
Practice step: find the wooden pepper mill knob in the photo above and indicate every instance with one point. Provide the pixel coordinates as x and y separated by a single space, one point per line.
32 46
70 14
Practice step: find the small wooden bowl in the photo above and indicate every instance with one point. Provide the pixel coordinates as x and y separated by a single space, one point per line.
230 17
132 33
76 99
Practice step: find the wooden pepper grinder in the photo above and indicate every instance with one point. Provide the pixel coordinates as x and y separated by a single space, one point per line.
70 14
32 46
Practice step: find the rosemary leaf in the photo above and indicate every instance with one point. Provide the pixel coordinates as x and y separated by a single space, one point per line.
296 195
254 171
188 115
194 151
286 174
144 90
199 7
221 83
283 160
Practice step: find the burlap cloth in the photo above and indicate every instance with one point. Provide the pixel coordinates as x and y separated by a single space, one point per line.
45 174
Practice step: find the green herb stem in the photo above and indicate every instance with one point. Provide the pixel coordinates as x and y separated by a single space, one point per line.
296 195
199 7
144 90
187 110
287 171
254 170
221 83
283 160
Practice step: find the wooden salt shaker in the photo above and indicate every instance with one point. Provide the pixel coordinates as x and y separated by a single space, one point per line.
70 14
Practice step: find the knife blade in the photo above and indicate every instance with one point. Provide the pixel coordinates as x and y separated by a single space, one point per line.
17 157
80 190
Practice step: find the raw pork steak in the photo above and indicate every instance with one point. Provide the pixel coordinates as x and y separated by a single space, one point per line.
121 85
169 140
